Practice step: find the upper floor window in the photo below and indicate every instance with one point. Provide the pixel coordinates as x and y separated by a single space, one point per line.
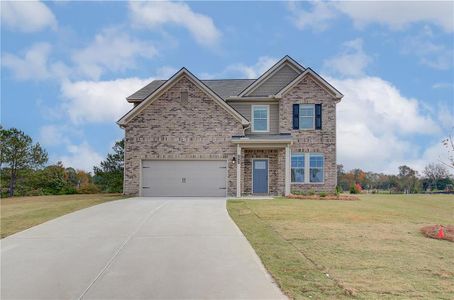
307 116
260 118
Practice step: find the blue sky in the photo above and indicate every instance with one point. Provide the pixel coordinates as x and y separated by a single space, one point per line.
66 67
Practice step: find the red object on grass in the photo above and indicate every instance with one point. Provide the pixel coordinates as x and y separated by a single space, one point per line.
440 233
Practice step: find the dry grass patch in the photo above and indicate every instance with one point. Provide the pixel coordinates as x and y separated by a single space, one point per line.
20 213
370 249
433 231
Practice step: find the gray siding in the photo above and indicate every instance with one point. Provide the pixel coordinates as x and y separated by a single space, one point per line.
276 82
245 110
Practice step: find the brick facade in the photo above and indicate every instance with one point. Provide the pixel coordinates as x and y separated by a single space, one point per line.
308 91
172 128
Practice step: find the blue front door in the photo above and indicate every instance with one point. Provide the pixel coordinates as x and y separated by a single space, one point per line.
260 176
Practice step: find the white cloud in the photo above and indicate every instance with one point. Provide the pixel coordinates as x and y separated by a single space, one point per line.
351 62
377 125
99 101
318 17
241 70
434 55
250 71
33 65
27 16
154 14
443 85
111 50
394 14
398 15
81 156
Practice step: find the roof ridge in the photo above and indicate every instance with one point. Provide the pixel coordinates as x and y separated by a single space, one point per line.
228 79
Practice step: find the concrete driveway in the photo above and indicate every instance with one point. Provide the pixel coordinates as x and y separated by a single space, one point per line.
139 248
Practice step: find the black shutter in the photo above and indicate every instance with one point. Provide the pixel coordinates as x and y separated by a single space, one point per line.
318 116
296 116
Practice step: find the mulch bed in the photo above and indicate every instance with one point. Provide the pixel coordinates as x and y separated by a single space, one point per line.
327 197
432 232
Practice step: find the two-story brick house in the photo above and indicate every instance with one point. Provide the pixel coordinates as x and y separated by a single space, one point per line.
271 135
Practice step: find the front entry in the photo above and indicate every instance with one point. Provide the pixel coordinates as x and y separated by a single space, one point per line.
260 176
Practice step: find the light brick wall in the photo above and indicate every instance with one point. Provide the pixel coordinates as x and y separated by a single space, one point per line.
197 128
308 91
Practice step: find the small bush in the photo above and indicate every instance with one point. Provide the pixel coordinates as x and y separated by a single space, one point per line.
89 189
355 188
322 194
338 190
311 192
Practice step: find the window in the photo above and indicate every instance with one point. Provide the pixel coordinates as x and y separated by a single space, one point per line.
260 118
307 168
307 116
316 168
298 168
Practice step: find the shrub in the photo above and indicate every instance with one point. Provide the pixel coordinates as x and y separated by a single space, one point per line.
89 189
311 192
338 190
355 188
322 194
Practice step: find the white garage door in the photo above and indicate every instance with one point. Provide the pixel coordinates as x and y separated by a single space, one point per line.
184 178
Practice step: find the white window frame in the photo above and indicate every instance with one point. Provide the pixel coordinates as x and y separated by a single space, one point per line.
307 167
267 107
323 168
313 116
304 167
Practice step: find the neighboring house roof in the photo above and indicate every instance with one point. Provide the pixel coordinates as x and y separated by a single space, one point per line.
167 84
223 87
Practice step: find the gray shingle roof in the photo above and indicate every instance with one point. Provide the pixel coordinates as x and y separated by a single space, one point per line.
223 87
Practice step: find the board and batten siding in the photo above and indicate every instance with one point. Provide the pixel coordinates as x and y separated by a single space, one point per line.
275 83
245 110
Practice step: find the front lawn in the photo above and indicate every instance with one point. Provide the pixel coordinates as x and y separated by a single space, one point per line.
20 213
369 249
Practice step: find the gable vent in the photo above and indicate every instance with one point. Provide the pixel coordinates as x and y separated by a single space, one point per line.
184 97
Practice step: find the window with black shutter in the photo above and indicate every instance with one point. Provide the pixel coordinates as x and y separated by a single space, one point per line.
318 116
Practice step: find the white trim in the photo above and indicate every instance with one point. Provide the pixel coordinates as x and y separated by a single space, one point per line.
304 168
288 175
299 116
168 84
324 84
286 59
238 170
261 141
267 117
268 175
307 167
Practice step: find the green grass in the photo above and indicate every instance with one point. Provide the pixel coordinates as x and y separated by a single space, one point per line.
367 249
20 213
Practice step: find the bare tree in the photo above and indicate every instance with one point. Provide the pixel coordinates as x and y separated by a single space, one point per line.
435 172
448 143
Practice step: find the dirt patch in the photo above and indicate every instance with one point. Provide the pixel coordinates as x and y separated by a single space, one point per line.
433 231
327 197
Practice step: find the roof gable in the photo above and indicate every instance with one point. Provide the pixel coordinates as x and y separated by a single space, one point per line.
275 79
169 83
319 80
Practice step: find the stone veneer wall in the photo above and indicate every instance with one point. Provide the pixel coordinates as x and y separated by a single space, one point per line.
171 128
308 91
276 175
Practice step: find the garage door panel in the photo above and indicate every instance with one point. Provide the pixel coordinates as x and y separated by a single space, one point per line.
184 178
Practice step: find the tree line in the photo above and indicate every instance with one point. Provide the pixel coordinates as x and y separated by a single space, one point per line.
434 178
24 170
